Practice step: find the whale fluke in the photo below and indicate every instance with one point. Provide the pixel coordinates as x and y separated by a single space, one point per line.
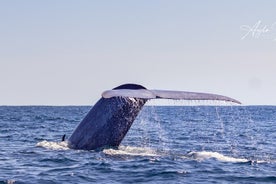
107 123
166 94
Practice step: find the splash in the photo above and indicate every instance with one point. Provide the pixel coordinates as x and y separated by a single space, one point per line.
131 151
10 181
203 155
181 102
53 145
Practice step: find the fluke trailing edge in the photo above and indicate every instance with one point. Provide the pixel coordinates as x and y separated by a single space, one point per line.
107 123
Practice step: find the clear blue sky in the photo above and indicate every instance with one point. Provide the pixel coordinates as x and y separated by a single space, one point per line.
67 52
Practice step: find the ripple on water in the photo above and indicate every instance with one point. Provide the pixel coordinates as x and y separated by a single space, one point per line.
227 146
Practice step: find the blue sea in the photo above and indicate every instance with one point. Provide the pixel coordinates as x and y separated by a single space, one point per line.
166 144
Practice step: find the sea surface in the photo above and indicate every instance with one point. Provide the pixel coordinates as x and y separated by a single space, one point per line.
166 144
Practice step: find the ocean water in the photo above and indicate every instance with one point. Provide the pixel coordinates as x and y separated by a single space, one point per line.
166 144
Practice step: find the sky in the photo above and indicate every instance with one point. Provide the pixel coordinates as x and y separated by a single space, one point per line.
68 52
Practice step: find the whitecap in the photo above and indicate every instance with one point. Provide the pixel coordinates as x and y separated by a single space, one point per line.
131 151
53 145
11 181
203 155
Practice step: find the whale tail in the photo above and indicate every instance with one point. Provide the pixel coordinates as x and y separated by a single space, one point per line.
107 123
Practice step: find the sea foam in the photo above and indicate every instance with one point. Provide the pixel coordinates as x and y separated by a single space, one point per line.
53 145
